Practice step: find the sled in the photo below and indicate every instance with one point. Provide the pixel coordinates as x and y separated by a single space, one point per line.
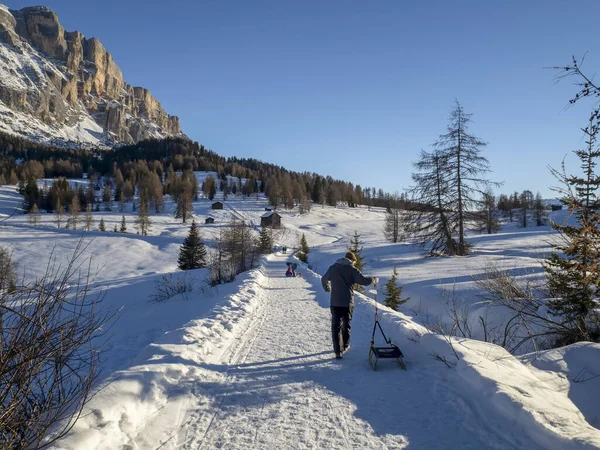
391 351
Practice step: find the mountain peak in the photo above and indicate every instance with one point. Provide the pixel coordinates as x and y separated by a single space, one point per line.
58 85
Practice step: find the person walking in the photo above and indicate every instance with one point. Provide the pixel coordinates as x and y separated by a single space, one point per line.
339 280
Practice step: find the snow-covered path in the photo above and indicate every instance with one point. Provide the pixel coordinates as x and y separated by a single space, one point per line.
280 387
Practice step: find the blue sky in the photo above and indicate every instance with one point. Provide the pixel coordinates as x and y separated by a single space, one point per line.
356 89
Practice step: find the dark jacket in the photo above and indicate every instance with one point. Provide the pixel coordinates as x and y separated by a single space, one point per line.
340 279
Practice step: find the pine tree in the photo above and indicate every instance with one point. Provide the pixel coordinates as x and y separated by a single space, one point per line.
391 229
490 224
526 201
239 245
121 201
142 221
89 219
58 213
572 271
75 211
107 199
449 187
123 225
539 210
357 248
393 293
431 223
34 215
210 187
461 157
265 245
192 254
302 254
115 229
102 225
185 209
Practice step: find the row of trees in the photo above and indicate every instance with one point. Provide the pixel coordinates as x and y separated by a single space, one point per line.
129 164
235 250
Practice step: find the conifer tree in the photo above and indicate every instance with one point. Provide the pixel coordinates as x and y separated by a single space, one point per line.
107 199
391 228
123 225
210 187
572 271
115 229
393 292
89 219
302 254
539 210
526 201
265 245
58 214
34 215
491 224
356 247
121 201
102 225
75 211
142 221
185 209
192 254
449 187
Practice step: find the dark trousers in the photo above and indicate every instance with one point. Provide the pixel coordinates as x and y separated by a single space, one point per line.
340 327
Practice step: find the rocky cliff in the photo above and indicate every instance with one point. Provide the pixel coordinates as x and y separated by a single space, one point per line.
58 85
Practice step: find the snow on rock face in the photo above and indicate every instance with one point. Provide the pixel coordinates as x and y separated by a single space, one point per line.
52 80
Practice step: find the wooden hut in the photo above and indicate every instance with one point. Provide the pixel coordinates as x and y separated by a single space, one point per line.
209 220
271 220
217 205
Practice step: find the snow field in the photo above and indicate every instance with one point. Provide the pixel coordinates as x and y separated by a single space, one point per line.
225 368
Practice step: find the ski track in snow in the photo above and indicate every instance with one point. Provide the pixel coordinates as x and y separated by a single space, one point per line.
281 388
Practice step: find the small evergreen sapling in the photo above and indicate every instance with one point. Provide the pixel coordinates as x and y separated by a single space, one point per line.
302 254
393 292
123 225
102 226
356 247
192 254
265 241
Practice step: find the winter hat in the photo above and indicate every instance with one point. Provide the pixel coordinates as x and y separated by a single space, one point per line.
351 256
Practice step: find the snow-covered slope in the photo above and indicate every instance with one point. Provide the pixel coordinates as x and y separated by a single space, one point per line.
249 365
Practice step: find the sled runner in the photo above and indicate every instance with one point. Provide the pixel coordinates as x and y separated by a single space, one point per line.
389 352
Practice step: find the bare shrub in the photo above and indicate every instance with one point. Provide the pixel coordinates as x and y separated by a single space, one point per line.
168 287
527 302
52 334
513 314
8 273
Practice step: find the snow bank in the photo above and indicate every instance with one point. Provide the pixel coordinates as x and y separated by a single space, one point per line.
152 395
574 371
493 379
495 383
